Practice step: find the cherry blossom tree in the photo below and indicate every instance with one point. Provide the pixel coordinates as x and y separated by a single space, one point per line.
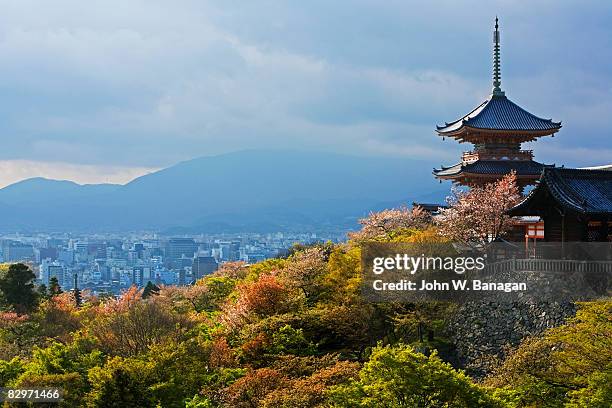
478 216
380 224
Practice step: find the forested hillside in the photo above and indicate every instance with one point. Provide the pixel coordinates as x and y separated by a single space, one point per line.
290 332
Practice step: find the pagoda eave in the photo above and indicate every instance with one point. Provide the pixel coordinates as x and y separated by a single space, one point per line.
483 171
472 134
458 177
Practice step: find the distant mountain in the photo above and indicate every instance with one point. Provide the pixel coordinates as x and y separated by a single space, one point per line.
250 190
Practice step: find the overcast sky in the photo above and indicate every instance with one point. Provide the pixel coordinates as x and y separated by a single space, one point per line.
106 90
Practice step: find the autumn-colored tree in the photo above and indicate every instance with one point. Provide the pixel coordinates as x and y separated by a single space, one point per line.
127 299
233 270
310 391
19 333
58 316
249 390
305 271
478 216
185 299
132 328
221 354
264 297
208 294
378 225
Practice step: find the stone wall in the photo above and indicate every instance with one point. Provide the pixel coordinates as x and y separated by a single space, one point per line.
484 332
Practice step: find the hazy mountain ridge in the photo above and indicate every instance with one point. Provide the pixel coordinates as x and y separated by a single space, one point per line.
261 190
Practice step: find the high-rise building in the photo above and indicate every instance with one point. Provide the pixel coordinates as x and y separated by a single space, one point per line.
178 248
138 275
202 266
14 251
66 256
52 269
46 253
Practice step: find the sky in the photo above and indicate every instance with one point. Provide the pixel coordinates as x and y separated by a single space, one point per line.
103 91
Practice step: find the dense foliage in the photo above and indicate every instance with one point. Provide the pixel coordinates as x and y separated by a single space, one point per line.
290 332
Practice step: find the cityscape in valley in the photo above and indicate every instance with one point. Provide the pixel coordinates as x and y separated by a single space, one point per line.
108 264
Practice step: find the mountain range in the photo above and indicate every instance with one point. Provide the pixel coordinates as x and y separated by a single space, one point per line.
242 191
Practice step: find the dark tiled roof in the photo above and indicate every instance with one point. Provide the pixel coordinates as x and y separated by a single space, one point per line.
500 113
430 207
584 191
522 167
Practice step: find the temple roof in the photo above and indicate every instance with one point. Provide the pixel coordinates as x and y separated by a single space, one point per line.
500 113
584 191
492 167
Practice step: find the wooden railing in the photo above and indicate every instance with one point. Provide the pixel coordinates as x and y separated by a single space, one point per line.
496 155
550 265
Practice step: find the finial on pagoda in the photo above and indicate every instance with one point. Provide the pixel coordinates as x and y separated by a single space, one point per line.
496 61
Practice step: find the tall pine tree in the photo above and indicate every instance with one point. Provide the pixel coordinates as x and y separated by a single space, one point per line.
54 287
150 289
17 287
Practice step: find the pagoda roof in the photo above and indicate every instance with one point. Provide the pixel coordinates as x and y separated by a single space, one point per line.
582 190
492 167
500 113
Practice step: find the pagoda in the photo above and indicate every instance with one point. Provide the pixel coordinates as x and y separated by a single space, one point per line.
496 128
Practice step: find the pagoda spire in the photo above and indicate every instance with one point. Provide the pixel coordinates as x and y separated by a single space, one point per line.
496 62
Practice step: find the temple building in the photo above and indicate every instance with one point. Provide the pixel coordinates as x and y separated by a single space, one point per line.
496 128
575 204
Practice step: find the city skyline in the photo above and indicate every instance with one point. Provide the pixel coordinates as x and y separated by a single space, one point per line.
110 263
108 92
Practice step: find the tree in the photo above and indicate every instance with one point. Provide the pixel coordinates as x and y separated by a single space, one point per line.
150 289
572 360
478 216
264 297
120 385
288 340
57 316
43 292
253 387
398 376
378 225
310 390
54 287
130 329
304 272
17 288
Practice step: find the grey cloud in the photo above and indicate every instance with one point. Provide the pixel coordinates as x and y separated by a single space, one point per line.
149 83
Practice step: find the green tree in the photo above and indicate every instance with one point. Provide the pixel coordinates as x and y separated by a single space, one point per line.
288 340
569 364
150 289
17 287
119 385
54 287
398 376
10 370
43 292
